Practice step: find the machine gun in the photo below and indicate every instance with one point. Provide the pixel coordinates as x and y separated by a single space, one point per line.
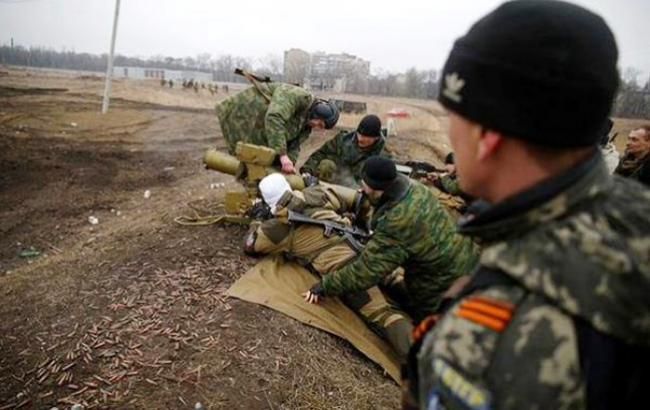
353 235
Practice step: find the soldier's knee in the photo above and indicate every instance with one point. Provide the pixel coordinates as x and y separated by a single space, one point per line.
326 170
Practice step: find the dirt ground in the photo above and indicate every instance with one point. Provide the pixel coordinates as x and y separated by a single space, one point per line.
129 312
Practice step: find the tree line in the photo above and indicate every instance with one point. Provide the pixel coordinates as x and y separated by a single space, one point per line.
633 100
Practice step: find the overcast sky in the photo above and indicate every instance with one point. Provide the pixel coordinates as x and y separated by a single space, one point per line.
393 35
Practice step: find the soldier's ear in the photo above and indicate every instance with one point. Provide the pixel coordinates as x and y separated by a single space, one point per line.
488 144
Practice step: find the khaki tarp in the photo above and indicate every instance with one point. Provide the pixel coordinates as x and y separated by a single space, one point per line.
278 285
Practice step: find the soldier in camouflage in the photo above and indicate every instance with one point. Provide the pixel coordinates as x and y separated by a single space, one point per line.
276 115
635 162
341 159
448 182
557 316
410 229
307 245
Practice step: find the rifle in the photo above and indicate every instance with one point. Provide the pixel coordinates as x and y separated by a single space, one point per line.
244 73
353 235
422 166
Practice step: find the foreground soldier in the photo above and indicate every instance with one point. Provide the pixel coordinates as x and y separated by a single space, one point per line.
410 229
340 160
635 162
308 245
276 115
557 315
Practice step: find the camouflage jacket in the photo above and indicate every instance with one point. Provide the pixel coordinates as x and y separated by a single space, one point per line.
276 119
564 262
344 151
448 184
635 168
412 230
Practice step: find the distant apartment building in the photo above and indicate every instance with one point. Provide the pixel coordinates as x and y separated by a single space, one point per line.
144 73
296 66
336 72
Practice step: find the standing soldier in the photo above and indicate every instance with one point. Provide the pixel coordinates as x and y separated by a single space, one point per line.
635 162
557 316
276 115
340 160
411 230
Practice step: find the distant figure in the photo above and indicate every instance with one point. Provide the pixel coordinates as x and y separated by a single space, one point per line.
196 87
184 83
171 84
163 82
225 88
635 162
203 85
216 88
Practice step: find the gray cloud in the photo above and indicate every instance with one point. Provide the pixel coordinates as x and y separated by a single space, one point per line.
393 35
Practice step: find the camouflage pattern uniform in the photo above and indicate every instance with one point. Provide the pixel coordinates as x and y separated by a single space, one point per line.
412 230
565 268
308 246
273 115
344 151
449 184
637 168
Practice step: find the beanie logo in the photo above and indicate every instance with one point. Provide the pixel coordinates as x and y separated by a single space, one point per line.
453 85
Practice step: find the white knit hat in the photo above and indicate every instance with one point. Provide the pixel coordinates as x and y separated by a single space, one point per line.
272 187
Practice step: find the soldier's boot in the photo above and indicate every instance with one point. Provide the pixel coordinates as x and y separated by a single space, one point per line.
327 170
384 318
400 335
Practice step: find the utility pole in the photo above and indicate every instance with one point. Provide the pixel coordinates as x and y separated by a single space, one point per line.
109 66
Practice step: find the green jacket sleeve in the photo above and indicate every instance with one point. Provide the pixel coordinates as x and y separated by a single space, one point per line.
327 151
284 106
381 256
450 185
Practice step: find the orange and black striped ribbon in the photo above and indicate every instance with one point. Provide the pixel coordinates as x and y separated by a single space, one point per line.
487 312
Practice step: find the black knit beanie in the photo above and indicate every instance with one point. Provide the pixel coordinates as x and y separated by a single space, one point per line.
539 70
379 172
370 126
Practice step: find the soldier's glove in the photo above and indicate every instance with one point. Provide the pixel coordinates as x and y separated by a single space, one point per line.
314 294
309 180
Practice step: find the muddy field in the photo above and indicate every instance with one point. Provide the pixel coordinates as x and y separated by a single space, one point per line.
129 312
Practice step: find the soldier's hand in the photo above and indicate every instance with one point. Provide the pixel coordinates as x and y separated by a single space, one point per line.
309 179
287 165
314 294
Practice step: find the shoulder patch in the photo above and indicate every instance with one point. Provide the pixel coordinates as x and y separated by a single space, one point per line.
453 386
